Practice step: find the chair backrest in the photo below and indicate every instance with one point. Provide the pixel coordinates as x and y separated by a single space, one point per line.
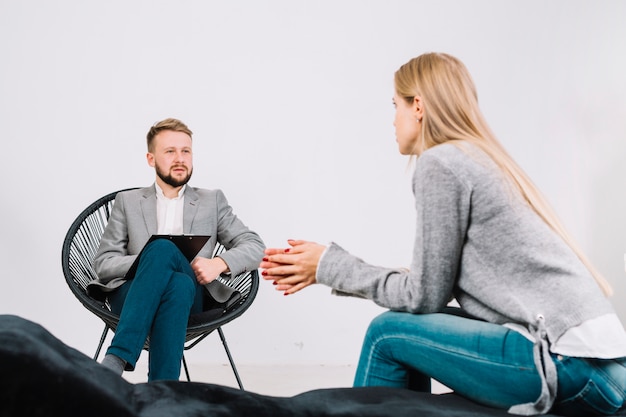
81 244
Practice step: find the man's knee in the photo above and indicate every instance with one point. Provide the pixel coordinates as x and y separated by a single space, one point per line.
160 247
163 254
159 260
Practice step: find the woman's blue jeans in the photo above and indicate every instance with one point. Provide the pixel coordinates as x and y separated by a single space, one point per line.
157 303
485 362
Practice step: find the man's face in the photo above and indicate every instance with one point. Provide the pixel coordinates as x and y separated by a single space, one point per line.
172 158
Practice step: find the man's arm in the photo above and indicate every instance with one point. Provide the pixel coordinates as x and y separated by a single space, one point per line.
112 259
244 248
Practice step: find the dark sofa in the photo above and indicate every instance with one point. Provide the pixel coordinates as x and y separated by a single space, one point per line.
41 376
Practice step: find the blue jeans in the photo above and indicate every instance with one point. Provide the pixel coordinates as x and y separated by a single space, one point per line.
485 362
157 303
589 387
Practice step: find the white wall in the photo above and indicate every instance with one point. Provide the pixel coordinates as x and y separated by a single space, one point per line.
290 103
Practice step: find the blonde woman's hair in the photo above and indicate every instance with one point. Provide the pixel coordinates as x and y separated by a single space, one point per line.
451 114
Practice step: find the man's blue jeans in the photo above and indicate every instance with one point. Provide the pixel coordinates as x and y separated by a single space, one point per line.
157 303
485 362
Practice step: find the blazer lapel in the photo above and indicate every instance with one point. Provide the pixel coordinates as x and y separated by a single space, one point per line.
190 210
148 209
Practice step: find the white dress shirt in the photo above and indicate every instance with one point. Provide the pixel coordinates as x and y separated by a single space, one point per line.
170 212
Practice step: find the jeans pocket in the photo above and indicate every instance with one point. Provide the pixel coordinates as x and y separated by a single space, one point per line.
592 400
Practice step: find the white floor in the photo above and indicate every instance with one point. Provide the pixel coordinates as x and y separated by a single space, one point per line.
278 380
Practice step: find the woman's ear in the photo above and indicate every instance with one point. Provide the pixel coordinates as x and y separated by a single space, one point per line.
418 107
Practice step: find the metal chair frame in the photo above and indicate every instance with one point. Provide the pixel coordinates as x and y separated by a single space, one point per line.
79 248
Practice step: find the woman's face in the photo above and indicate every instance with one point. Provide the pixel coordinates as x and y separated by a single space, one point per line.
408 128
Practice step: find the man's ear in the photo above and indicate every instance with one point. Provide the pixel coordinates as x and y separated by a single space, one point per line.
150 159
418 107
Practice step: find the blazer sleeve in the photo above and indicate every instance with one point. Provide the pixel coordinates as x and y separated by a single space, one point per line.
112 259
244 248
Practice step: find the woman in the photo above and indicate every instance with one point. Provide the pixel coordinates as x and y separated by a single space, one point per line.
535 332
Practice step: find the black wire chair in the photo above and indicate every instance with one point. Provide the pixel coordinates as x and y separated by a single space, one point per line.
79 248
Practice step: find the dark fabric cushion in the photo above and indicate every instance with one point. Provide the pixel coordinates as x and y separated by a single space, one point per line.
40 376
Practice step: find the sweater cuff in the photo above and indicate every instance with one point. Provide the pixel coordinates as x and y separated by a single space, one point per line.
319 263
323 274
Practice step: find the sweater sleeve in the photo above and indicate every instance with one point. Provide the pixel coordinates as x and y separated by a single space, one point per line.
442 204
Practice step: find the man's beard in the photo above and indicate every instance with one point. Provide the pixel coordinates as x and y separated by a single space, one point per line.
169 180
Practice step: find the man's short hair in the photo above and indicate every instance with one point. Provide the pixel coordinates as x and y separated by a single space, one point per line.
167 124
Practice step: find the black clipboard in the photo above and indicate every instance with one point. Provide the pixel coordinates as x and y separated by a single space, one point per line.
189 245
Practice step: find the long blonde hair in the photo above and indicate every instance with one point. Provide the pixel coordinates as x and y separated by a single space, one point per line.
451 114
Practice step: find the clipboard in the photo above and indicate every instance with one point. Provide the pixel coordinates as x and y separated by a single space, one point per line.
189 245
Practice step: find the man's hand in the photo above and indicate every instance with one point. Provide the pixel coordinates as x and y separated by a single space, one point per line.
207 270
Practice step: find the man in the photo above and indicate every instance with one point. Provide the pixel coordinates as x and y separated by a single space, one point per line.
166 288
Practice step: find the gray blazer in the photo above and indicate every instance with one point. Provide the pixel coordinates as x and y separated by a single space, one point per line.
134 219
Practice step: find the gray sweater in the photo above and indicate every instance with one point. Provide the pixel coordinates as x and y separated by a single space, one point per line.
476 240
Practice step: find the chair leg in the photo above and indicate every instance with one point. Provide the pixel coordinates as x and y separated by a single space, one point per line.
104 335
186 369
230 358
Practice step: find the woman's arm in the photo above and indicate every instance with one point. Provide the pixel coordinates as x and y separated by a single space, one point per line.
442 203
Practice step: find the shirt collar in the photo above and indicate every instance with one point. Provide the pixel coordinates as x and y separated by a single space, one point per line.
160 195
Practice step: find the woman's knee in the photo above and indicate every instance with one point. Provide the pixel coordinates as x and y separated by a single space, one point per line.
383 327
398 322
380 323
386 319
392 326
